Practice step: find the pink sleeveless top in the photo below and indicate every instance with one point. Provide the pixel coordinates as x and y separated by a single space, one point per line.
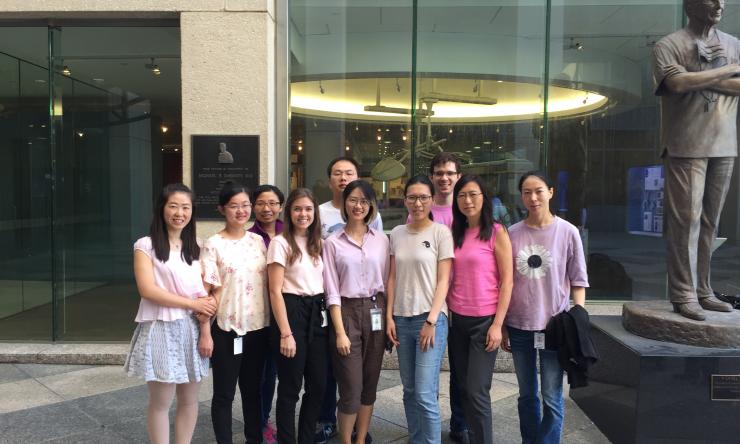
474 287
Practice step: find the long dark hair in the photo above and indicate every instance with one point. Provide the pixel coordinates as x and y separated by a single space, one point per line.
158 229
424 180
313 245
367 191
460 222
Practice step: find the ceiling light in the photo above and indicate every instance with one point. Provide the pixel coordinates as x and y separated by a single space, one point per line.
153 67
164 129
99 80
66 71
346 148
300 147
441 97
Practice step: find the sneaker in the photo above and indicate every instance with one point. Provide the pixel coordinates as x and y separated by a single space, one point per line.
324 432
269 434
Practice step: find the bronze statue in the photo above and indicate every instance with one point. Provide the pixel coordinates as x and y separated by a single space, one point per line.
696 71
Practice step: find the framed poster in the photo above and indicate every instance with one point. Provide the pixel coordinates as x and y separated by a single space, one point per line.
218 159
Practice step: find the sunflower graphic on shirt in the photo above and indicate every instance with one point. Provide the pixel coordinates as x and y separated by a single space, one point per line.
533 261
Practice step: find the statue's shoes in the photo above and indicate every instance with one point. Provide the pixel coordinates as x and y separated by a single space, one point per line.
691 310
714 304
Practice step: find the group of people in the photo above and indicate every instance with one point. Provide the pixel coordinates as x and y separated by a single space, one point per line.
318 300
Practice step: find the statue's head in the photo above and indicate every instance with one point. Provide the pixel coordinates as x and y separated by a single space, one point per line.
704 11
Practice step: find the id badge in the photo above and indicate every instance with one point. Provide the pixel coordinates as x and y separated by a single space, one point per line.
324 319
376 319
539 340
238 345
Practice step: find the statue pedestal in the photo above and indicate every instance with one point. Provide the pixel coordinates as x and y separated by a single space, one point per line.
648 391
656 320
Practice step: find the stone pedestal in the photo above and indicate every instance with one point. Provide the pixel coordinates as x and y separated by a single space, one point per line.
648 391
656 320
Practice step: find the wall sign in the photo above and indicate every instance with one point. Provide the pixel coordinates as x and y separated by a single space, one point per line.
725 387
218 159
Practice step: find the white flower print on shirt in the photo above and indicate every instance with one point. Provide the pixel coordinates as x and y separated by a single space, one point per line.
533 261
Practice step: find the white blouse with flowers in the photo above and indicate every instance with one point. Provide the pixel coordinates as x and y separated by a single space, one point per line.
239 267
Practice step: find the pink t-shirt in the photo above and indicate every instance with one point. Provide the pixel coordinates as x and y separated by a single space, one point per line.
305 276
175 276
442 215
474 287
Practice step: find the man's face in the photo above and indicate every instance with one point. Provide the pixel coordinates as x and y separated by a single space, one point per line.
705 11
342 173
444 177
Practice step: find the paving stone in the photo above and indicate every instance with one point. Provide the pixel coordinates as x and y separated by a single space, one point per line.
44 423
41 370
113 407
90 381
10 373
24 394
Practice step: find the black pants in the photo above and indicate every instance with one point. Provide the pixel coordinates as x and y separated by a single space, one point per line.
309 364
473 369
246 368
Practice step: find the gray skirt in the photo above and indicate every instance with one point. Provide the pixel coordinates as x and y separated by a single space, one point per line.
165 351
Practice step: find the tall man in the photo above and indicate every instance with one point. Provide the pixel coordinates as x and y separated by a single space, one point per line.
341 172
695 71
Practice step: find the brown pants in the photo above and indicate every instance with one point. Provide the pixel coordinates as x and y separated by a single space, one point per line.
357 374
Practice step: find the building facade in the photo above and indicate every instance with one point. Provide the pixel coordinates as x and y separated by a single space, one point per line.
100 101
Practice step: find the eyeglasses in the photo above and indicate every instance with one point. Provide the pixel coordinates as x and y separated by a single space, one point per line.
441 174
471 194
353 201
234 207
424 199
271 204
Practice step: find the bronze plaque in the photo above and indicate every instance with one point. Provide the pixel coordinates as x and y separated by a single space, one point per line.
217 159
725 387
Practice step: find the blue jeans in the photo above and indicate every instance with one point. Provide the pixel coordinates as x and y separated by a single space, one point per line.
536 427
420 377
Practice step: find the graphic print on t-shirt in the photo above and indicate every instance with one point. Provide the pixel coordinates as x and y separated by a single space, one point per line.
533 261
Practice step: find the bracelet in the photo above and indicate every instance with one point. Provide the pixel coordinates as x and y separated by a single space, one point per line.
286 336
433 324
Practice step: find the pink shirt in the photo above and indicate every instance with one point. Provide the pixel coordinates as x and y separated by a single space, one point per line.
352 270
442 215
175 276
304 277
474 287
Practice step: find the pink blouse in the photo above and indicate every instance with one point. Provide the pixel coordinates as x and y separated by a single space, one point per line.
175 276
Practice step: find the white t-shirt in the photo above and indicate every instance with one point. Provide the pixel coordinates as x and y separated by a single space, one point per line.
305 276
416 256
331 220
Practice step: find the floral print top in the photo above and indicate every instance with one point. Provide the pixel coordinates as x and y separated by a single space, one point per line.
239 266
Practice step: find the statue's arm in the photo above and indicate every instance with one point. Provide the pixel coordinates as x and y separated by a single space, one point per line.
696 81
729 87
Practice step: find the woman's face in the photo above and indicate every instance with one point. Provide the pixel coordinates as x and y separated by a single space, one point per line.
418 201
267 207
177 211
237 210
536 195
470 200
357 206
302 213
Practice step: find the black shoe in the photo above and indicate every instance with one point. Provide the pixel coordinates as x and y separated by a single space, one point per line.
324 432
460 436
368 438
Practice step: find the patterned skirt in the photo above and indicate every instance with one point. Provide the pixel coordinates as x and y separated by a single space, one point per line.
167 351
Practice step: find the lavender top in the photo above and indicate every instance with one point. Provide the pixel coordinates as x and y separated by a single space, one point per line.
547 263
352 270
